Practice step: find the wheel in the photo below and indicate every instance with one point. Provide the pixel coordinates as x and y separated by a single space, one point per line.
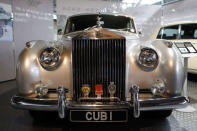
157 114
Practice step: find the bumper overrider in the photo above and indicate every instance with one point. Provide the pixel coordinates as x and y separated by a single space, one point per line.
136 105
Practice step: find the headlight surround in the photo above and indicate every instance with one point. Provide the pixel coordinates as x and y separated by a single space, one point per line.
148 59
49 58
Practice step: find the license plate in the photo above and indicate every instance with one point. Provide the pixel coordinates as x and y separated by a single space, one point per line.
99 115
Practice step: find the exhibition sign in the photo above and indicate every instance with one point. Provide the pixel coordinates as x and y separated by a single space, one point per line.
6 23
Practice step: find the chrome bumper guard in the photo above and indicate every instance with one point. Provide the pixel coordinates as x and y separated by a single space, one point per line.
135 100
135 104
61 102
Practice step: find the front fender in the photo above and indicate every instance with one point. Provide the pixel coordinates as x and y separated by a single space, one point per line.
170 68
29 71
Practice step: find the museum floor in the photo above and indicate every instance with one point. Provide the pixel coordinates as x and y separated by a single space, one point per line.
18 120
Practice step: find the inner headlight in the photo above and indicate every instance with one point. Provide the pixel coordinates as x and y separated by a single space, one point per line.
49 58
148 59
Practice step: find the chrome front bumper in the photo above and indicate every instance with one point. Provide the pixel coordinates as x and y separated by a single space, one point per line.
52 105
136 104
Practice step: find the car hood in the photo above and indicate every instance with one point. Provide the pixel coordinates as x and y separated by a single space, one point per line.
101 33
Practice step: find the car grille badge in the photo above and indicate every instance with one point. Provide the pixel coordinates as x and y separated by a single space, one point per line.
99 90
112 89
86 90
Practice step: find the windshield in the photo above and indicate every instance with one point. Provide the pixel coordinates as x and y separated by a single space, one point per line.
82 22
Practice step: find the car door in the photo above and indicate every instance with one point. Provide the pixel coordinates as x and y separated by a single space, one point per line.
182 33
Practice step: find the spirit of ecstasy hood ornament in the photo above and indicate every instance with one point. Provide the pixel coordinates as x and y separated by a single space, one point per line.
99 22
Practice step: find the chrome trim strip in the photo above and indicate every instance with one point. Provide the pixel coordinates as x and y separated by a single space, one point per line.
34 104
145 105
164 103
61 102
179 32
101 99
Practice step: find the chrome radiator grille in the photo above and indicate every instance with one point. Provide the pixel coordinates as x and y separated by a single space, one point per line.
99 62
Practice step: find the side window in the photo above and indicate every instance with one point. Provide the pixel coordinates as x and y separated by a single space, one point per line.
195 34
189 31
170 32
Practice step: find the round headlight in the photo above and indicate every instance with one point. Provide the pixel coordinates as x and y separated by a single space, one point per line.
148 59
49 58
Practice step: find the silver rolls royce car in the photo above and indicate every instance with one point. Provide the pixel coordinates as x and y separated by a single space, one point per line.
100 72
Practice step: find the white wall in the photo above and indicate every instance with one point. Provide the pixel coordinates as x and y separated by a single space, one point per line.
147 18
33 20
7 62
185 10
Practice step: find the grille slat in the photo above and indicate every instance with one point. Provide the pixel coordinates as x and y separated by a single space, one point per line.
99 62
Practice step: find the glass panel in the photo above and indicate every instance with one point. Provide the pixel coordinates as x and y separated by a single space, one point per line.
170 1
195 34
170 32
189 31
82 22
140 2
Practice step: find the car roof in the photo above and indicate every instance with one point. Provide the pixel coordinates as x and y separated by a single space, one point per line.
112 14
180 23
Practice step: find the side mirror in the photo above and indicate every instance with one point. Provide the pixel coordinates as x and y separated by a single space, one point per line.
60 32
